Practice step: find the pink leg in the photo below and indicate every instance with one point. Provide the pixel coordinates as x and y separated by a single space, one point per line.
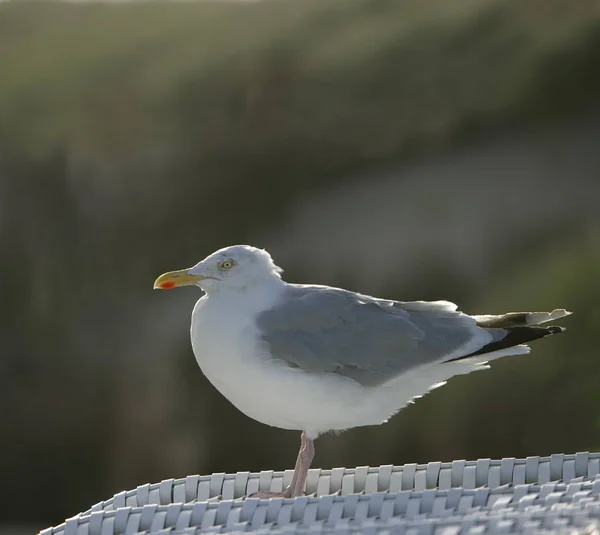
297 466
305 458
303 462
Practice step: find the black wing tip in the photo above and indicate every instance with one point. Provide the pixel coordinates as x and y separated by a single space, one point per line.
516 336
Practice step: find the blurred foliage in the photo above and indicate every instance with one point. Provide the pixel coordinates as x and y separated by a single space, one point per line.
136 138
367 79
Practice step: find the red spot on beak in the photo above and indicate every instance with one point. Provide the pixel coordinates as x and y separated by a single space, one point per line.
167 285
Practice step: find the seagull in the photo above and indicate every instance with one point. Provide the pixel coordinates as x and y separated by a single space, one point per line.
313 358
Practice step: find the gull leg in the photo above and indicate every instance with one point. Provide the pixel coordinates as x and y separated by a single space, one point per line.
303 462
305 458
297 467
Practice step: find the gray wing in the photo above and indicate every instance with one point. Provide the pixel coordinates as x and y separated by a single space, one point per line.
321 329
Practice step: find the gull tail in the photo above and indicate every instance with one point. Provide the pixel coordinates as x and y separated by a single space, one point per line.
520 319
516 328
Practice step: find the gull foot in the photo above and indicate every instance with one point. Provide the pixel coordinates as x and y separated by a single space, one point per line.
265 494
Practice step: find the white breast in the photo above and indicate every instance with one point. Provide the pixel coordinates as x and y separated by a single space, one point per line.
229 352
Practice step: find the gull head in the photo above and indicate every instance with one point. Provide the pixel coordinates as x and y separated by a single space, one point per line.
238 267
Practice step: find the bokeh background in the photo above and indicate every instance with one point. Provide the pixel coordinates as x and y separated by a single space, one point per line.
401 148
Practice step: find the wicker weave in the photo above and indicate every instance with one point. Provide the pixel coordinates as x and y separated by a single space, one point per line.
560 493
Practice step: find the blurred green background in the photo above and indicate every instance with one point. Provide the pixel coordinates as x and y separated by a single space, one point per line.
403 148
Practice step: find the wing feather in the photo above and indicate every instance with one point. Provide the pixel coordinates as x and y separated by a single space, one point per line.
329 330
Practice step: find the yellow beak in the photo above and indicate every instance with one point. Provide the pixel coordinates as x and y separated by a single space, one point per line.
173 279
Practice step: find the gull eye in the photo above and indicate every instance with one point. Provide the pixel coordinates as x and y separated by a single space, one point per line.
226 264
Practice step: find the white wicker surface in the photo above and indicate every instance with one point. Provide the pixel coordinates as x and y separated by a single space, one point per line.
559 493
